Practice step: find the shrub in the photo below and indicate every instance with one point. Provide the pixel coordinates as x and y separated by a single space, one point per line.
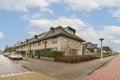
37 52
74 59
97 56
42 53
91 49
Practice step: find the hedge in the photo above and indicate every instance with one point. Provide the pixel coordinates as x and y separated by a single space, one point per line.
43 53
74 59
97 56
91 49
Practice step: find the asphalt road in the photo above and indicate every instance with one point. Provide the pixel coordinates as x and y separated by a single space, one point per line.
9 67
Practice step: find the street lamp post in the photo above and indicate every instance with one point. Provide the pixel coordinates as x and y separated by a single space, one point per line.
111 51
101 39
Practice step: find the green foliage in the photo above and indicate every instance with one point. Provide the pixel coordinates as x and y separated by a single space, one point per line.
21 52
42 53
37 53
91 49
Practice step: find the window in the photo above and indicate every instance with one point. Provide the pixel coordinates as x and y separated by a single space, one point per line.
43 42
39 43
54 40
66 40
48 42
33 44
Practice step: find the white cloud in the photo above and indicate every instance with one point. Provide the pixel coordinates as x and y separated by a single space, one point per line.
116 14
82 5
63 21
89 34
79 5
32 32
116 41
1 35
54 1
41 25
24 5
31 16
111 34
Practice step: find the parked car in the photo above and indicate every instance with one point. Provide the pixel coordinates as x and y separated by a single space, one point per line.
16 56
12 53
6 54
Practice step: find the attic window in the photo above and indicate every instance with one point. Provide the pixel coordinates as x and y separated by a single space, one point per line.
52 29
27 40
70 30
35 36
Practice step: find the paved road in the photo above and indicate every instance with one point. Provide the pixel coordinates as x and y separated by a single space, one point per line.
63 70
8 67
30 76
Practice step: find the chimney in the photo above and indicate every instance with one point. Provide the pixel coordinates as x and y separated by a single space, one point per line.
52 29
35 36
27 40
21 42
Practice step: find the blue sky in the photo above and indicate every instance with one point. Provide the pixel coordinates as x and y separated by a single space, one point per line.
93 19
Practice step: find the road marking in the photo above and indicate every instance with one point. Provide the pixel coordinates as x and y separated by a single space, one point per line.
14 74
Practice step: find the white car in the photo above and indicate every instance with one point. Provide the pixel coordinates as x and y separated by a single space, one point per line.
6 54
16 57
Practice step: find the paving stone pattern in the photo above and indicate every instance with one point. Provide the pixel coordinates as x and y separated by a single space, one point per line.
110 71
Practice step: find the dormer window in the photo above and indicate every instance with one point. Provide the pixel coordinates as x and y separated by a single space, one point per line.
35 36
21 42
27 40
70 30
52 29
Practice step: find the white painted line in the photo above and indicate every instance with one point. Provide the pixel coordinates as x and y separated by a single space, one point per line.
16 74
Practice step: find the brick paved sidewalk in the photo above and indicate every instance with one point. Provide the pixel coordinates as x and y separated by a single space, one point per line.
110 71
29 76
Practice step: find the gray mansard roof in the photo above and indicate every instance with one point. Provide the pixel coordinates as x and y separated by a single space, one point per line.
58 31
